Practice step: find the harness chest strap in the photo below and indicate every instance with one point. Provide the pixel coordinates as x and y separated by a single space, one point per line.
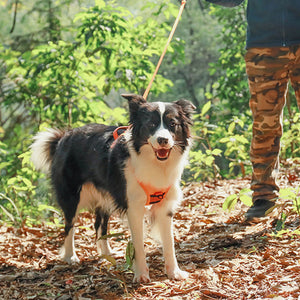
154 196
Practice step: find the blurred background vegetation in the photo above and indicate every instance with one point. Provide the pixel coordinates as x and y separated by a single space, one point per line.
64 63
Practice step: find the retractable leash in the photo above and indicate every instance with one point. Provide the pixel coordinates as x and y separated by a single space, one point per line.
183 2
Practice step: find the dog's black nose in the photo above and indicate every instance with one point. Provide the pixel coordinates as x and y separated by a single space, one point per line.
162 141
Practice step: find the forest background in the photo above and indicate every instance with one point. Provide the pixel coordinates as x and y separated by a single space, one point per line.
64 63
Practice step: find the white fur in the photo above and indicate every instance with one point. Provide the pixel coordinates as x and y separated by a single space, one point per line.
39 150
69 254
144 167
147 168
161 174
165 229
161 131
90 198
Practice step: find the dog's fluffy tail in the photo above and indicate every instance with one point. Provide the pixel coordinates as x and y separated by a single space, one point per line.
44 147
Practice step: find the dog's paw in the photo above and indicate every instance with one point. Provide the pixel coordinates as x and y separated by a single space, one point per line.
142 275
141 278
177 274
71 259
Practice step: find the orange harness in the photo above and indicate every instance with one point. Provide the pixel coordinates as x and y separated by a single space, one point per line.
118 132
153 196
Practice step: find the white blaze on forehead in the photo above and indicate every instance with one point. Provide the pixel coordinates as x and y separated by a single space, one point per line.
161 131
161 108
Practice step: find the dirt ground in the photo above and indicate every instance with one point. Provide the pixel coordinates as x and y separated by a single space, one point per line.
227 258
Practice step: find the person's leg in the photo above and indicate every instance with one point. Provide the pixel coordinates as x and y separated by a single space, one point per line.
267 70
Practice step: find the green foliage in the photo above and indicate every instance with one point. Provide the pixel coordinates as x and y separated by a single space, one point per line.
129 255
243 196
232 86
291 195
199 31
67 74
221 150
237 141
202 159
60 82
70 83
18 190
290 141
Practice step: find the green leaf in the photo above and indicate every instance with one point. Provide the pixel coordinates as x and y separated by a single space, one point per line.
224 140
42 207
129 254
27 182
230 202
247 200
107 236
12 181
206 107
216 152
287 193
3 165
241 139
110 259
231 127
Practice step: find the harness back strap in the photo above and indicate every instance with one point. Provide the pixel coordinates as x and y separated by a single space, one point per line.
118 132
154 196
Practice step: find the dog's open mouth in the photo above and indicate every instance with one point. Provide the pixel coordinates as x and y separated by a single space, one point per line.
162 153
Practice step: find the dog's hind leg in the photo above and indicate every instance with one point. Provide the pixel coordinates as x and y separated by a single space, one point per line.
70 213
101 224
69 253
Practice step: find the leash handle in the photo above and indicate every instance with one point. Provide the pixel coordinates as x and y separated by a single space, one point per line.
183 2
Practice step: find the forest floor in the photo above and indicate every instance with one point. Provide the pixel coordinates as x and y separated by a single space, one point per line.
227 258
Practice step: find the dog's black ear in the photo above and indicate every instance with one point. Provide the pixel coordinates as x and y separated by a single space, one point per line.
187 107
135 101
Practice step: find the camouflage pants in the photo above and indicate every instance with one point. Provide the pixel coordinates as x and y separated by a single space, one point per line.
269 70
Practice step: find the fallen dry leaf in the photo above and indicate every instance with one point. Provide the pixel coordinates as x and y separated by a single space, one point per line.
227 258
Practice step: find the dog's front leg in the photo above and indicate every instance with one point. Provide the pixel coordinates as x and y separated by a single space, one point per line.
164 220
135 216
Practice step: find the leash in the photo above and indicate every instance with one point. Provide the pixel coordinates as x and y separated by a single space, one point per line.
183 2
153 196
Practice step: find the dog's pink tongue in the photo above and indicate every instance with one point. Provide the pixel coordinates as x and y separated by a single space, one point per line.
162 153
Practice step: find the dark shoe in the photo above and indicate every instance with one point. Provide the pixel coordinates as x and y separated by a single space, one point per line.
259 209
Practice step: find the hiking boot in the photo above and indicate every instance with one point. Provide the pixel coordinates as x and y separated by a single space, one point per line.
259 209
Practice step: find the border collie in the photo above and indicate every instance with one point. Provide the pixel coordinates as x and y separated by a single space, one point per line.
89 169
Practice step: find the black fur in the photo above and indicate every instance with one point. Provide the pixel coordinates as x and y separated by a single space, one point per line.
85 155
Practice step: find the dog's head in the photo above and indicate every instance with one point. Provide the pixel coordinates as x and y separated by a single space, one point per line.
163 126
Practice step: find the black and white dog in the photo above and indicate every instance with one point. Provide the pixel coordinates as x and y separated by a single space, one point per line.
89 169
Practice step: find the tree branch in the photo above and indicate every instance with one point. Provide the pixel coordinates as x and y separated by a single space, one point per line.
15 17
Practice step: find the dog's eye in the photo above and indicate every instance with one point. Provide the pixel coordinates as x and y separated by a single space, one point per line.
151 124
172 123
